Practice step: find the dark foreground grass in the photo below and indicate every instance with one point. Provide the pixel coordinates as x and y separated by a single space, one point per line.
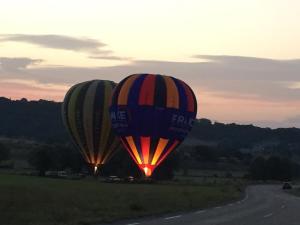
44 201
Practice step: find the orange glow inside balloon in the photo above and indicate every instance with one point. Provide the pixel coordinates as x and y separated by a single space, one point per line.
147 171
159 148
95 169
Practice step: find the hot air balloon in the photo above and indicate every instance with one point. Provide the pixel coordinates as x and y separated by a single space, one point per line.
152 114
85 112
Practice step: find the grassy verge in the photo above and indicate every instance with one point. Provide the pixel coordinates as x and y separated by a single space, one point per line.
33 200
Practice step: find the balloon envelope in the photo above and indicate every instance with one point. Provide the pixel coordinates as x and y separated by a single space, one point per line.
152 114
85 112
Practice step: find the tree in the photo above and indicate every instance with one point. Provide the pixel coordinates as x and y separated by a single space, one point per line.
4 152
41 159
258 168
273 168
205 122
165 171
286 169
67 157
121 164
206 153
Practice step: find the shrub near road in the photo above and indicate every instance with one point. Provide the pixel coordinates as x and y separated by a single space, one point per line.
33 200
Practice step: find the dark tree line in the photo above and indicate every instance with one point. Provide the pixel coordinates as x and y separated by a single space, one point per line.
205 153
4 152
55 157
41 120
38 120
273 168
61 157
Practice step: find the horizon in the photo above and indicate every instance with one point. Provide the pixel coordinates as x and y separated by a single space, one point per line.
202 118
241 58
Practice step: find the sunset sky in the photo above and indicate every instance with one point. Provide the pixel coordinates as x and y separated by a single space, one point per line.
241 57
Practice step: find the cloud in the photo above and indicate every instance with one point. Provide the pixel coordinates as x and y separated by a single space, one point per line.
222 75
228 88
35 84
235 59
94 47
293 85
252 68
58 42
9 64
110 57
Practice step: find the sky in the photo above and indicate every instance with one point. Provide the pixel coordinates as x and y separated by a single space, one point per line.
241 57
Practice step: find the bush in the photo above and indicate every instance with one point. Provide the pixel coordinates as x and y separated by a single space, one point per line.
4 152
273 168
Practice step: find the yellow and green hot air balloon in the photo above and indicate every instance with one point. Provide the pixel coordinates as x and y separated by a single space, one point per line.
85 112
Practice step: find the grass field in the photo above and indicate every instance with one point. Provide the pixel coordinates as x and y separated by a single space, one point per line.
44 201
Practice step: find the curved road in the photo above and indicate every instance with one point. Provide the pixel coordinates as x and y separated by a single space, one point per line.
263 205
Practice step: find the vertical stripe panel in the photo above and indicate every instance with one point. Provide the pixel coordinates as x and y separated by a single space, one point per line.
98 114
110 139
88 119
72 119
116 93
145 144
147 91
182 96
153 145
172 93
190 97
123 95
160 93
105 123
134 93
159 149
79 118
65 114
134 149
65 106
124 142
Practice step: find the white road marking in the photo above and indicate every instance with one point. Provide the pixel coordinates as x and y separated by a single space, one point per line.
230 204
283 206
172 217
200 211
218 207
268 215
133 223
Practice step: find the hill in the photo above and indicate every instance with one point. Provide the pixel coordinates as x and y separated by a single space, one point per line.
38 120
41 120
209 145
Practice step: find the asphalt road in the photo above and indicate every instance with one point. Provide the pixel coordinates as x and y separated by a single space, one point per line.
263 205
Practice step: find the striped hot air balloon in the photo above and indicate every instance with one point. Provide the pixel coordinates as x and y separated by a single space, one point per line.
152 114
85 112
